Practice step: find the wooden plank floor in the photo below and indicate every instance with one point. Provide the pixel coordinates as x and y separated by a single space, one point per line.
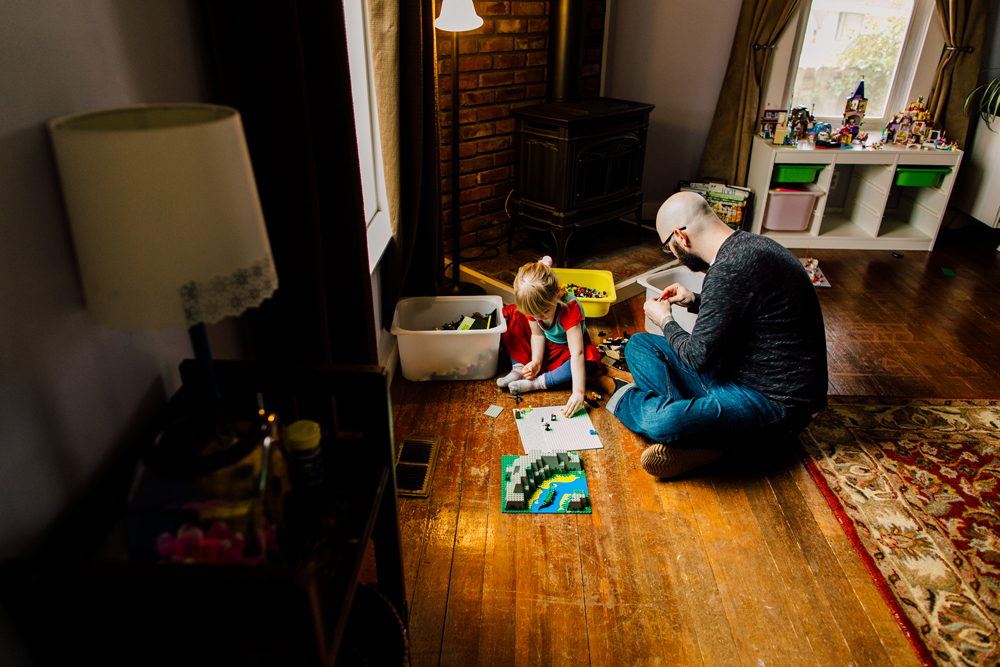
730 565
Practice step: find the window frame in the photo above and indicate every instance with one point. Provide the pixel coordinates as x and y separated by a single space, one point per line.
918 59
378 223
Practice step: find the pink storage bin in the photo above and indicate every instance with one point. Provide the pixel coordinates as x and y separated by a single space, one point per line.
789 207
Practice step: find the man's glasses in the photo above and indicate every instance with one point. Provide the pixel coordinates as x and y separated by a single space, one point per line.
665 243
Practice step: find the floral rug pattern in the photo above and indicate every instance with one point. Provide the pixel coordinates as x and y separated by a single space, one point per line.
916 486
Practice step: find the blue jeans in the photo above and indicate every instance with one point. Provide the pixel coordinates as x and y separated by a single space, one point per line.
672 404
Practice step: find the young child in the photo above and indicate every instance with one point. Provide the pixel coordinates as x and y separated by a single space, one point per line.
546 330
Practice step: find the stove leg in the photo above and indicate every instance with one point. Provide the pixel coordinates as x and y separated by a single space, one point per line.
510 232
561 236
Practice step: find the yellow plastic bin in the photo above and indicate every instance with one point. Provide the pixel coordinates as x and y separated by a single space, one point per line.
601 281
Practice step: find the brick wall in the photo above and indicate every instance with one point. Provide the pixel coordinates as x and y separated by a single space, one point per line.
502 66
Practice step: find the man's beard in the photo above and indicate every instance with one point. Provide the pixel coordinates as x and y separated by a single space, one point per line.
689 259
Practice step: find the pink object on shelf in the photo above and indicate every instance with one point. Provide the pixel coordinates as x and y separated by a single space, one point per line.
790 209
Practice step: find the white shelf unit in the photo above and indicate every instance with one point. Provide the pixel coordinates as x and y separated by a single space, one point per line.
874 213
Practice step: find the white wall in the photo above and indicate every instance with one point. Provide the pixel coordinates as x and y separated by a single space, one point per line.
673 55
69 389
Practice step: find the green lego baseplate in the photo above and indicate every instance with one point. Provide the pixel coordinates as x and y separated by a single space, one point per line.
544 483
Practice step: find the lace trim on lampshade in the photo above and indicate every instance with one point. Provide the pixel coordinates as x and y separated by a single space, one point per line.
223 296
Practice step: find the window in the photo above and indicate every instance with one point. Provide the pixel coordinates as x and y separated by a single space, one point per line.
367 130
835 42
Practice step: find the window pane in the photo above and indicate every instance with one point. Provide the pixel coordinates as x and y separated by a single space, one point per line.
844 40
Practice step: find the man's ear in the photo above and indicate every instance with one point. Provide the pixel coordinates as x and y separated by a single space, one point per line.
681 235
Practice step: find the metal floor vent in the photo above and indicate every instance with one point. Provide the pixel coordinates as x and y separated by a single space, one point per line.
415 466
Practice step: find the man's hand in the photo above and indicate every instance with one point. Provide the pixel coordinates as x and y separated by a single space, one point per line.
531 369
573 404
656 310
677 294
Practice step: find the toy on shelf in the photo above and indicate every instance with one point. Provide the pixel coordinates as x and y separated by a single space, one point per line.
787 127
823 136
914 128
854 114
770 121
800 122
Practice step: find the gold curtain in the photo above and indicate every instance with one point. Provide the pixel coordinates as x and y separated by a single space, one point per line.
727 150
383 27
964 25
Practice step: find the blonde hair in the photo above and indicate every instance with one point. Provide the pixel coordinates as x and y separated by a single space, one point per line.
536 289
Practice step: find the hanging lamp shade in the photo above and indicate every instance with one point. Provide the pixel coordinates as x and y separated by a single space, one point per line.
164 212
458 16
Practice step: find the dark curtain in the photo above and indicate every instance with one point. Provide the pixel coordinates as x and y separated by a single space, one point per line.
412 265
283 65
964 25
727 149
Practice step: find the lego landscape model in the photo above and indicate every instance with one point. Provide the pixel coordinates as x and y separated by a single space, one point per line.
544 482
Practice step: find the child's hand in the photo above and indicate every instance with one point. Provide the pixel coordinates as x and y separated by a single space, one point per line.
531 370
573 404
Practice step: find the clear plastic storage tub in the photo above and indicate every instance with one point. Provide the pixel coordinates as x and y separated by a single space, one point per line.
426 354
656 283
789 208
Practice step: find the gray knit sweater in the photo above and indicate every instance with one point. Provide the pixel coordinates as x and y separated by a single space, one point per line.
759 323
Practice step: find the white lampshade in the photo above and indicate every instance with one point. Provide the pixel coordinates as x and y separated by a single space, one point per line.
164 212
458 16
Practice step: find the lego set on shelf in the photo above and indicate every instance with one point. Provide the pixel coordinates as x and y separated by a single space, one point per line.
910 128
797 124
914 128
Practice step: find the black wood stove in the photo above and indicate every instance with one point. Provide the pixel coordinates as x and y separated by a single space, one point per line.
578 162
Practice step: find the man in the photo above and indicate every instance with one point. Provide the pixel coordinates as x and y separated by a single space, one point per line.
752 370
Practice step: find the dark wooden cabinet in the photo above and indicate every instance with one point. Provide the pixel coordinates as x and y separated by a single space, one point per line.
71 605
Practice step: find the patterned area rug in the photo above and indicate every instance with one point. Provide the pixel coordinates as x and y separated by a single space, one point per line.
916 485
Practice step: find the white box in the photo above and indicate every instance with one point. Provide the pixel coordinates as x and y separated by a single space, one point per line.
790 207
426 354
656 283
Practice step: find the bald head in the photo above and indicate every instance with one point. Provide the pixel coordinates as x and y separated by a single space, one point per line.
699 231
686 209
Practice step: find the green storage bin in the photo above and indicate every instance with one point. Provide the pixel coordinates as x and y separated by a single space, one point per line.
795 173
930 177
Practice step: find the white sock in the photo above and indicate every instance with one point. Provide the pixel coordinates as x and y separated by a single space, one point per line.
515 374
524 386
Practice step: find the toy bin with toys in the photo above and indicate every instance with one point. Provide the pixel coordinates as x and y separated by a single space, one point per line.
595 290
656 283
429 350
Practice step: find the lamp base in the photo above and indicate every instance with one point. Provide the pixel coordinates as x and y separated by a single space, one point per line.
462 289
455 287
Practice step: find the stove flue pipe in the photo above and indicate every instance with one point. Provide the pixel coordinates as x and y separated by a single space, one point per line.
566 24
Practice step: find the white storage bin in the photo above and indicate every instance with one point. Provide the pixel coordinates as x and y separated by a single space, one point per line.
790 207
656 283
425 354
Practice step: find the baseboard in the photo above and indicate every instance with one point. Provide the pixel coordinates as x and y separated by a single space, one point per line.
388 354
